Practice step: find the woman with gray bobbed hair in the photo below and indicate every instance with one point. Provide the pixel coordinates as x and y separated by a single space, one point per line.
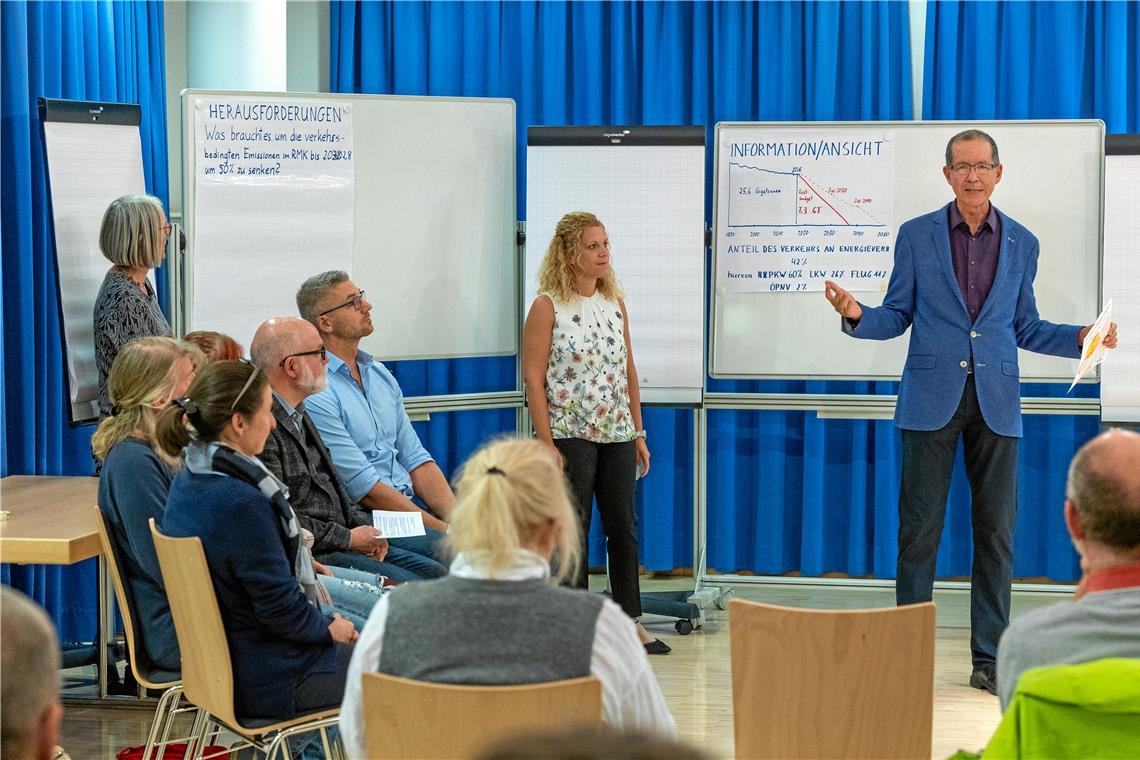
133 238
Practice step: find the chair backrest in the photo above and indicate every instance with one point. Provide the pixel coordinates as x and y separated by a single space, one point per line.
207 674
1089 709
397 713
832 683
136 651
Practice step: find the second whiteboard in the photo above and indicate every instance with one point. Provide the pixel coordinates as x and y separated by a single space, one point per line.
646 185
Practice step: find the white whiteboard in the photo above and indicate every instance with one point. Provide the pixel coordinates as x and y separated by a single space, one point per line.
1120 372
646 185
1051 183
94 155
433 228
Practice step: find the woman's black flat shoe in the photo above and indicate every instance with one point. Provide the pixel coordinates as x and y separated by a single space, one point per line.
657 646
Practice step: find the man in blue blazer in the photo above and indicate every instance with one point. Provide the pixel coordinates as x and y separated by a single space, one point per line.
963 278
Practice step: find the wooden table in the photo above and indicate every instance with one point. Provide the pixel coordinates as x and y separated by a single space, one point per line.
52 522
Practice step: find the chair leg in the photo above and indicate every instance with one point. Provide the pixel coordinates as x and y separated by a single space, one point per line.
163 715
325 744
175 709
196 742
276 744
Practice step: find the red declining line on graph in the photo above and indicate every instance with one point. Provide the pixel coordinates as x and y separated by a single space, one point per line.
819 195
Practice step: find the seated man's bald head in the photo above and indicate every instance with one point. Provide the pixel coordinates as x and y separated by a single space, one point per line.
279 337
1104 489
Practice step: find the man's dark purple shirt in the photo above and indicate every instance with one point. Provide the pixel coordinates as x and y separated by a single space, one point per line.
975 257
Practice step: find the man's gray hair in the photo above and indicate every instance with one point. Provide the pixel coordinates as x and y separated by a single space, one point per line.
311 295
29 660
1106 498
971 134
271 343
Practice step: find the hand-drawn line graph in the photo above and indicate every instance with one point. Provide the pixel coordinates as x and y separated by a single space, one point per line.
763 197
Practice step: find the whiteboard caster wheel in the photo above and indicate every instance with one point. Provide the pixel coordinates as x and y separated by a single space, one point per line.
684 627
722 600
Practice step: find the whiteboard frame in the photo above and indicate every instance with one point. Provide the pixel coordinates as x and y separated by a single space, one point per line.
600 141
896 345
506 324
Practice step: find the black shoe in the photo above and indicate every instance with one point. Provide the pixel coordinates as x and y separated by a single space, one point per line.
984 679
657 646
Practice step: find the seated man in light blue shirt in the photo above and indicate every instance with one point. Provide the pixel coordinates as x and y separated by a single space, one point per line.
361 415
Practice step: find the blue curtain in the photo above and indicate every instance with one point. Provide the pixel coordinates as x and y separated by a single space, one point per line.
109 51
1044 60
567 63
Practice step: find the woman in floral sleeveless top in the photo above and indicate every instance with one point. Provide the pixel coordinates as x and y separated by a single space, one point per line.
582 392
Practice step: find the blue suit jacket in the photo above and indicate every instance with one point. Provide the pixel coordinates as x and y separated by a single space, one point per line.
924 292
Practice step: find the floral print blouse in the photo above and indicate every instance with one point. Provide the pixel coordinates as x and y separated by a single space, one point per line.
587 391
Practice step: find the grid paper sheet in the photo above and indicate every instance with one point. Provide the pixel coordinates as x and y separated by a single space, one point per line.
90 165
1120 372
651 201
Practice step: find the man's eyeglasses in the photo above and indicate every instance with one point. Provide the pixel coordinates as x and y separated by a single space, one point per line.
963 170
354 302
167 228
315 352
249 382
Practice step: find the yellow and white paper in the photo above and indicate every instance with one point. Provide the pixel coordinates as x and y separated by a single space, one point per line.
1092 350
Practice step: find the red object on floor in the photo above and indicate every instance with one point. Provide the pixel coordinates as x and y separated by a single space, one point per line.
172 752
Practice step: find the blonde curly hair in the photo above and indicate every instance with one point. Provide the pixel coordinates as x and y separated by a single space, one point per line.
558 273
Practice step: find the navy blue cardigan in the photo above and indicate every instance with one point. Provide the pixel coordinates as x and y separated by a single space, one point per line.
276 636
132 488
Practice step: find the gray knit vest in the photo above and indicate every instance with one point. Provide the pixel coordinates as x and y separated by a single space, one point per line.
474 631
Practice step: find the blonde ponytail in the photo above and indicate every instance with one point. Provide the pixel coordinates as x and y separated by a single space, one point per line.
507 491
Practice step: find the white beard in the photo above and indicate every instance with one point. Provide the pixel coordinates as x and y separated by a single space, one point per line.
312 382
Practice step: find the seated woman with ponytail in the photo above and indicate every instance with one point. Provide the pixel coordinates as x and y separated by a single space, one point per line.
136 475
498 618
288 656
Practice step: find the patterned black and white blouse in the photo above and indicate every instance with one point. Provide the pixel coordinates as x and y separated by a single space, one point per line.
123 312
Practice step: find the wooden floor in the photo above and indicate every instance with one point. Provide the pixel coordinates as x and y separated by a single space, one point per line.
696 677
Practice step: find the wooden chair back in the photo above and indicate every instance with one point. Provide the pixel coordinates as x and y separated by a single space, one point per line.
207 675
471 717
140 664
832 683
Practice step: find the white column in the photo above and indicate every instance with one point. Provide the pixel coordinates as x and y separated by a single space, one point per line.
236 44
308 46
917 14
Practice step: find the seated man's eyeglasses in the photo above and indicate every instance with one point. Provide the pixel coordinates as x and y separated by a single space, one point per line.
964 169
315 352
354 302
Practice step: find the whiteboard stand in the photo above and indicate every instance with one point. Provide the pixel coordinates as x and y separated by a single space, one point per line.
689 606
